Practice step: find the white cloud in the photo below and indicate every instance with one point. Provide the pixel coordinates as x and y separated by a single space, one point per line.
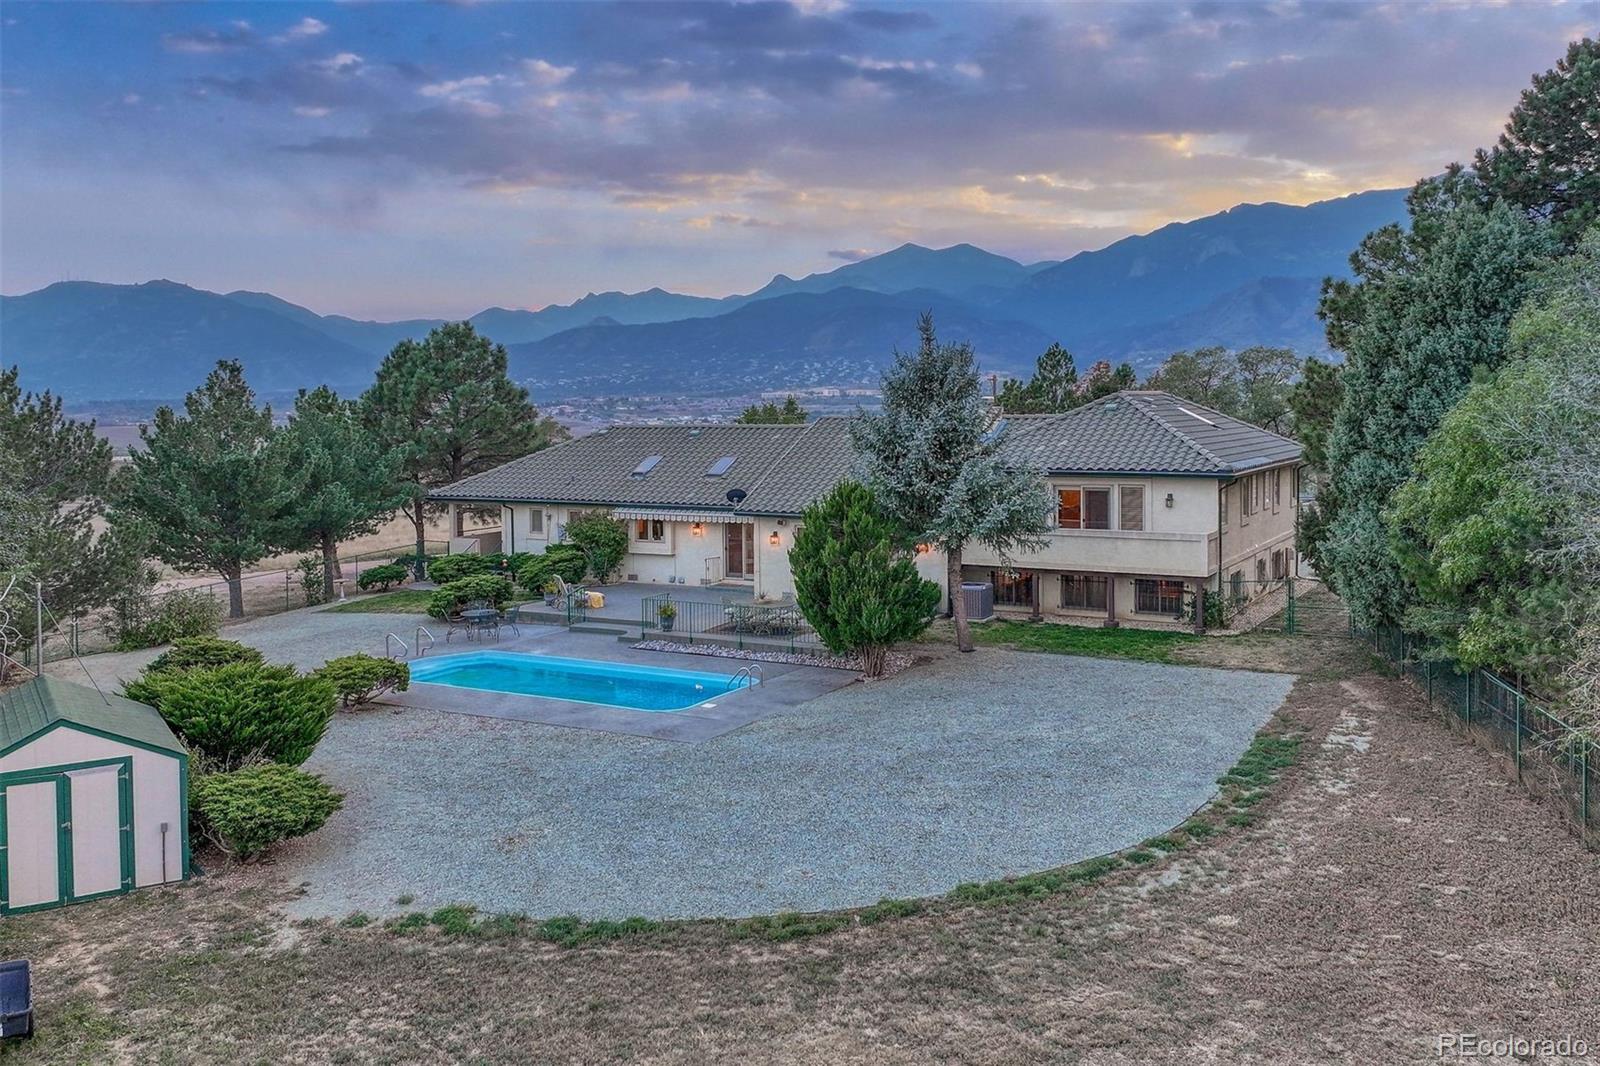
306 28
343 63
545 74
313 112
131 98
460 87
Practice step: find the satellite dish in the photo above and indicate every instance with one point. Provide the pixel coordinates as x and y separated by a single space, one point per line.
736 496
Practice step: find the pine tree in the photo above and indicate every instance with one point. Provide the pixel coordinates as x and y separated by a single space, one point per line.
345 483
206 488
854 580
1052 389
932 460
446 408
770 414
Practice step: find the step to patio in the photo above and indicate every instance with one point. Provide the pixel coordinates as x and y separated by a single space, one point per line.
590 627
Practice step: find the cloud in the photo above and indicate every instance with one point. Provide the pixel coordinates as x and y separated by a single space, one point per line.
238 34
306 28
546 75
850 255
892 21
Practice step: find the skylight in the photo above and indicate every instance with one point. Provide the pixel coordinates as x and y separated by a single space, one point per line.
720 467
646 465
994 432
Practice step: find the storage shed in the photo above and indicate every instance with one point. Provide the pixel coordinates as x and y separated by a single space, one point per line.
94 796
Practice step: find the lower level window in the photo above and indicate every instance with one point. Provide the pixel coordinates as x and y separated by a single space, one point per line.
651 529
1012 588
1157 596
1083 592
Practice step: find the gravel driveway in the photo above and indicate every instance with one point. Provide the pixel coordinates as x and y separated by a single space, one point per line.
967 768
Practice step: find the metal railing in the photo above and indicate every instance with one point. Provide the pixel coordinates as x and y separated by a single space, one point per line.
1507 717
736 625
752 673
424 632
391 639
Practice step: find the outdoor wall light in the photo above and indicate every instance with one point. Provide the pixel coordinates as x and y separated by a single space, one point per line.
773 539
696 529
1169 501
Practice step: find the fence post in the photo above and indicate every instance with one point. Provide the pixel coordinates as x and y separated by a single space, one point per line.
1584 750
1472 679
1288 612
1519 735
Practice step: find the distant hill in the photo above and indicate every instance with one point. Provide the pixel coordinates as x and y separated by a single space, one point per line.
1248 275
839 337
158 340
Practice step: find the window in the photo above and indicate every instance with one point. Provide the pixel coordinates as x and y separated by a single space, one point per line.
1227 502
1278 567
647 464
536 520
720 467
1069 508
1083 592
1130 512
1236 586
1096 508
1012 588
1277 489
1261 572
1157 596
650 529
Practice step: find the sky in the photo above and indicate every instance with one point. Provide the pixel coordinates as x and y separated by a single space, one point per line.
394 160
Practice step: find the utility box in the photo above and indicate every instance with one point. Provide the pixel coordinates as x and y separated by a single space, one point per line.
979 598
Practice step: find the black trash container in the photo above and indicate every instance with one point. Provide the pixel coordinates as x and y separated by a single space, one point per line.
16 999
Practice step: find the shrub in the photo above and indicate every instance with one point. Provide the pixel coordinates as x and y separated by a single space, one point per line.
360 678
246 811
382 577
491 587
559 560
144 622
409 561
310 567
859 591
603 540
455 567
240 712
187 653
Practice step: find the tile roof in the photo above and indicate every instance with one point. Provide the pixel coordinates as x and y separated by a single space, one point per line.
35 706
598 469
1144 433
781 469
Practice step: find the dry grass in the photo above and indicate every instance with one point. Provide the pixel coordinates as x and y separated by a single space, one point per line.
1388 887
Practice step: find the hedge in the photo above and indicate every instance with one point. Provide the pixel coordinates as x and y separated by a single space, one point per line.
246 811
360 678
241 712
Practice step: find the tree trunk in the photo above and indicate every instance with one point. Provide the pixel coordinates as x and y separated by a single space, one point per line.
235 592
330 566
873 659
419 519
958 602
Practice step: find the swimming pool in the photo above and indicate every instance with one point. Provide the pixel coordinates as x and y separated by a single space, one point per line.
638 688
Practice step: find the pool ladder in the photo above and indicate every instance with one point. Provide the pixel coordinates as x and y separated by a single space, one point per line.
752 673
422 649
389 641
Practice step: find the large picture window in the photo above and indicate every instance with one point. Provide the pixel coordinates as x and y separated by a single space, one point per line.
1083 592
1157 596
1012 588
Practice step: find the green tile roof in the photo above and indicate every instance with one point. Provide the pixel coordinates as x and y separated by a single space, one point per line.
32 708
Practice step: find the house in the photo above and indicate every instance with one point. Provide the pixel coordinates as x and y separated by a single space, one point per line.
1154 498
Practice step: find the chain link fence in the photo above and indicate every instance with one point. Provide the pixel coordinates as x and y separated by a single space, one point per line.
1551 756
264 592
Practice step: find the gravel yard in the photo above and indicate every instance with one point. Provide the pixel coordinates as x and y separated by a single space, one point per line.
965 768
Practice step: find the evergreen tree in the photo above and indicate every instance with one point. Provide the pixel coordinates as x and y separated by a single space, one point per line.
854 580
770 414
445 407
1101 380
345 483
1547 161
1207 376
55 482
1313 401
1428 307
1052 389
207 488
932 460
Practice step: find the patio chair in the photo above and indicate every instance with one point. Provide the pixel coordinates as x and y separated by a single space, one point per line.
481 617
567 595
511 618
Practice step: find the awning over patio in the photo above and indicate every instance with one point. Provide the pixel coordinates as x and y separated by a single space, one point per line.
676 516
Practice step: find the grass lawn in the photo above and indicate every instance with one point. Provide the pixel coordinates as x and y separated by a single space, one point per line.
405 601
1145 645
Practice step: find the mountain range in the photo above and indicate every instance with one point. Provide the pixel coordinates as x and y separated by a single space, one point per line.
1248 275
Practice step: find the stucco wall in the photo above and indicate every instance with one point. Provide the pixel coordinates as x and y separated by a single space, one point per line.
156 792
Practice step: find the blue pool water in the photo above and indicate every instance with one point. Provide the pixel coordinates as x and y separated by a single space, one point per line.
639 688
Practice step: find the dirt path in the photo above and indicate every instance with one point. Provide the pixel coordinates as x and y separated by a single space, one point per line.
1392 887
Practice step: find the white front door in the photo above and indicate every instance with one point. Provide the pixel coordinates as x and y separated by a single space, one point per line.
33 844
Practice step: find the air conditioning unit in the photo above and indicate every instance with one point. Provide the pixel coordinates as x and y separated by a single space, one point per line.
979 598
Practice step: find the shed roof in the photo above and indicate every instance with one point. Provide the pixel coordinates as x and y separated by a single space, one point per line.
38 705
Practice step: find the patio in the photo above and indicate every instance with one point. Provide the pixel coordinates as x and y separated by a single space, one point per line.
625 600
